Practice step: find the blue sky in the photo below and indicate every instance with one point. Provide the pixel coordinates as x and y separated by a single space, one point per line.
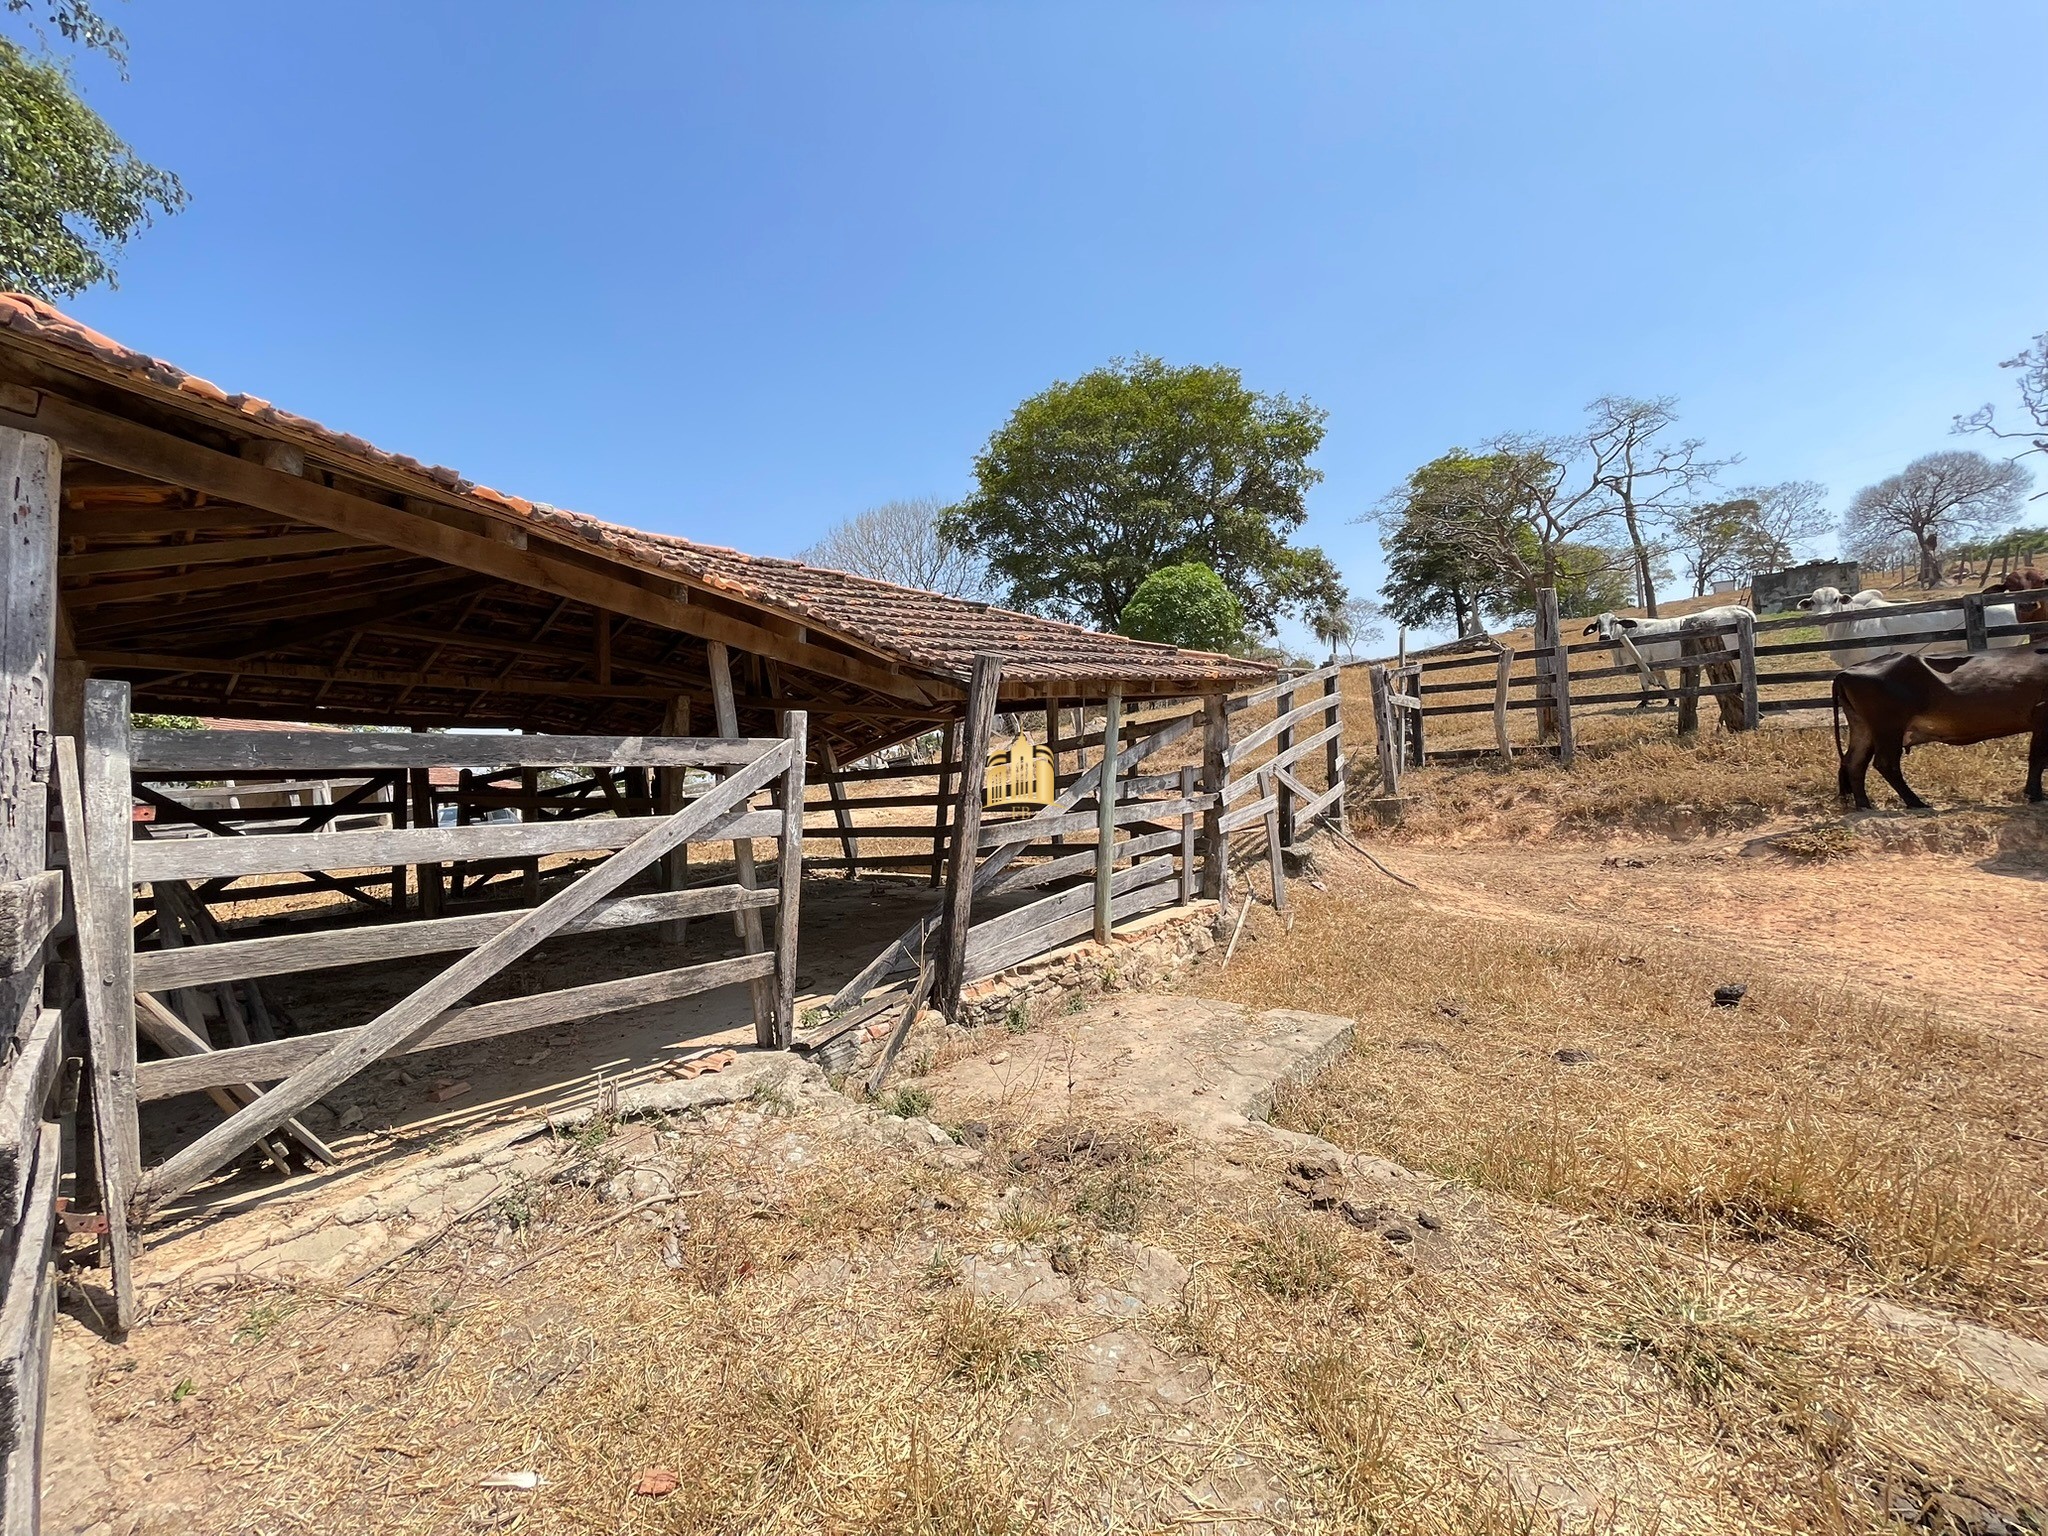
736 272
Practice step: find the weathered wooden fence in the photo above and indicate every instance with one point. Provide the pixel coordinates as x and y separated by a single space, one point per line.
133 979
1116 843
1732 662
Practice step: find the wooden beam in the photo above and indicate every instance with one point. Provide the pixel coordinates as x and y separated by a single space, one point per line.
457 1026
29 910
101 594
965 849
789 879
413 1016
156 557
124 444
458 682
172 1036
1215 779
227 754
746 922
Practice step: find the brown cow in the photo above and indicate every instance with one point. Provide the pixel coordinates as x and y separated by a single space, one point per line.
2028 580
1899 701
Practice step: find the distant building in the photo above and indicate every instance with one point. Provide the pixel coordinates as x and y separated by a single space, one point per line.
1780 591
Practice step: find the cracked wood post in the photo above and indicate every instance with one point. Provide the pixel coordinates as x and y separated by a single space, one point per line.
1105 812
1269 789
414 1015
1560 690
1503 676
1215 842
1280 745
965 850
1333 751
669 786
1187 836
789 876
747 921
1745 645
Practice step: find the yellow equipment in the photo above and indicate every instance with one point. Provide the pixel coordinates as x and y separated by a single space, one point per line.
1020 776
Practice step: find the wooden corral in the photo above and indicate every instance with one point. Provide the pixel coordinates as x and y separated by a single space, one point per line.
563 710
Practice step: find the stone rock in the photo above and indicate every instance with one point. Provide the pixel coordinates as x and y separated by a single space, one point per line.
1572 1056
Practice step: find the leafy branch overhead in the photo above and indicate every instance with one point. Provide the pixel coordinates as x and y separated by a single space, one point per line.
1093 485
76 193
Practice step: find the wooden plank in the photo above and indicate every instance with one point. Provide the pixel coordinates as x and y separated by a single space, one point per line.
98 827
223 754
152 557
171 1034
383 677
789 877
1298 681
997 932
1283 747
29 911
1027 877
1159 893
1276 858
514 549
457 1026
287 954
1216 783
28 1312
911 940
1745 647
1187 835
1334 771
30 480
1245 815
407 1020
214 858
1306 746
1085 821
1106 810
957 907
747 920
842 814
25 1085
1253 740
1504 664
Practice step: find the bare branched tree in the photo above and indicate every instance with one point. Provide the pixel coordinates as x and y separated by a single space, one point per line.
1930 501
1651 478
2032 367
1354 622
899 541
1787 518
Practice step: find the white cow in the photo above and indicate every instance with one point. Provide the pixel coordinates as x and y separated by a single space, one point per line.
1908 630
1661 642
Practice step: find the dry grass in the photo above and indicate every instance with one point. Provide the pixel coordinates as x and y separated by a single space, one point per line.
1832 1132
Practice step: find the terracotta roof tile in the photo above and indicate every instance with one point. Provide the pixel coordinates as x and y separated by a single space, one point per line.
928 632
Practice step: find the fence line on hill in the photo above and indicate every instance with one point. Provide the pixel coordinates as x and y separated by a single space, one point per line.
1725 660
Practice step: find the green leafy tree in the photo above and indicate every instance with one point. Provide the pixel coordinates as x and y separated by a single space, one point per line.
75 193
1433 583
1185 605
1093 485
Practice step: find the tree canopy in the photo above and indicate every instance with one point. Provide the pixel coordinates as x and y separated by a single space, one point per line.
1091 486
1185 605
900 541
1934 499
75 192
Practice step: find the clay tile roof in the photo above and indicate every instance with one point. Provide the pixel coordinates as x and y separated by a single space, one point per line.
925 631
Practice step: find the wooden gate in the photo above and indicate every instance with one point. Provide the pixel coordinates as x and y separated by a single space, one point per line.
304 1068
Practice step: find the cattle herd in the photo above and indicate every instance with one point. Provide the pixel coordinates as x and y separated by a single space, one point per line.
1901 682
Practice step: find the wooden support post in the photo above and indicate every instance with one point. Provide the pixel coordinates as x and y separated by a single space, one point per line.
1105 813
1187 836
1386 729
426 814
1276 861
1546 642
1560 690
1745 645
1974 636
1689 689
1503 674
103 912
1215 841
1333 751
529 810
959 899
942 820
669 791
789 877
1052 745
748 919
842 813
395 787
1280 746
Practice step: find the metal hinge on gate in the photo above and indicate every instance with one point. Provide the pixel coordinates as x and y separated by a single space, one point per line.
80 1223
